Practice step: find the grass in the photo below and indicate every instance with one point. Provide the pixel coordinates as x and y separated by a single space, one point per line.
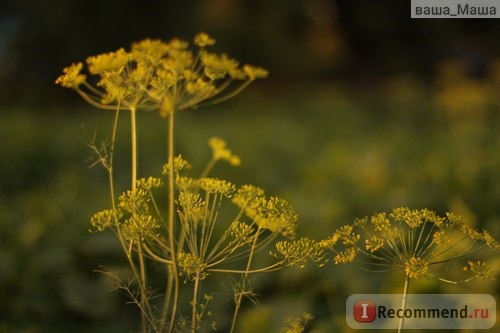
332 156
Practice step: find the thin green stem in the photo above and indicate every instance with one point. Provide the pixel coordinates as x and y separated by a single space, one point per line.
171 220
154 256
117 226
194 304
208 168
133 136
245 278
270 268
142 272
110 161
168 295
403 302
140 255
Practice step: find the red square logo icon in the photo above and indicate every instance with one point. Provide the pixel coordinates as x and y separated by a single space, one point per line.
365 311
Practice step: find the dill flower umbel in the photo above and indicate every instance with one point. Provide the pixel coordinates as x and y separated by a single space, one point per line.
274 214
158 75
298 252
410 240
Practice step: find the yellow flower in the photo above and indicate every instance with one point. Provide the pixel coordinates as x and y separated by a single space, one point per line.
188 201
179 164
330 242
416 267
108 62
139 226
345 256
479 270
149 183
274 214
186 183
191 265
149 50
177 45
200 87
220 151
247 194
380 221
202 39
72 77
298 252
214 185
441 239
104 219
255 72
374 243
134 200
242 232
217 66
167 106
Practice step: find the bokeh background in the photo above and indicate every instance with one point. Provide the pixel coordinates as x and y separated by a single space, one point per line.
365 110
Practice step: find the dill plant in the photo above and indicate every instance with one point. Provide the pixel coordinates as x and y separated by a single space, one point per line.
181 235
413 241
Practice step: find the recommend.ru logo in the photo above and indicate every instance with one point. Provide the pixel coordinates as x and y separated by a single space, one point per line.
421 311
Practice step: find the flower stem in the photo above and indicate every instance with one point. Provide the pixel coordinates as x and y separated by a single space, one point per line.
140 255
194 303
245 279
403 302
110 161
208 168
142 272
171 219
133 130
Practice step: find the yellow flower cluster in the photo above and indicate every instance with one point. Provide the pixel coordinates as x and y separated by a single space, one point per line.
274 214
414 218
104 219
442 239
193 206
220 151
166 76
247 194
298 252
345 256
416 267
411 240
149 183
139 227
374 243
134 200
479 270
191 265
242 232
179 164
132 216
214 185
72 76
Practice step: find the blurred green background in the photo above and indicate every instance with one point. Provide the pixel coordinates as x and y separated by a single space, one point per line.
365 110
